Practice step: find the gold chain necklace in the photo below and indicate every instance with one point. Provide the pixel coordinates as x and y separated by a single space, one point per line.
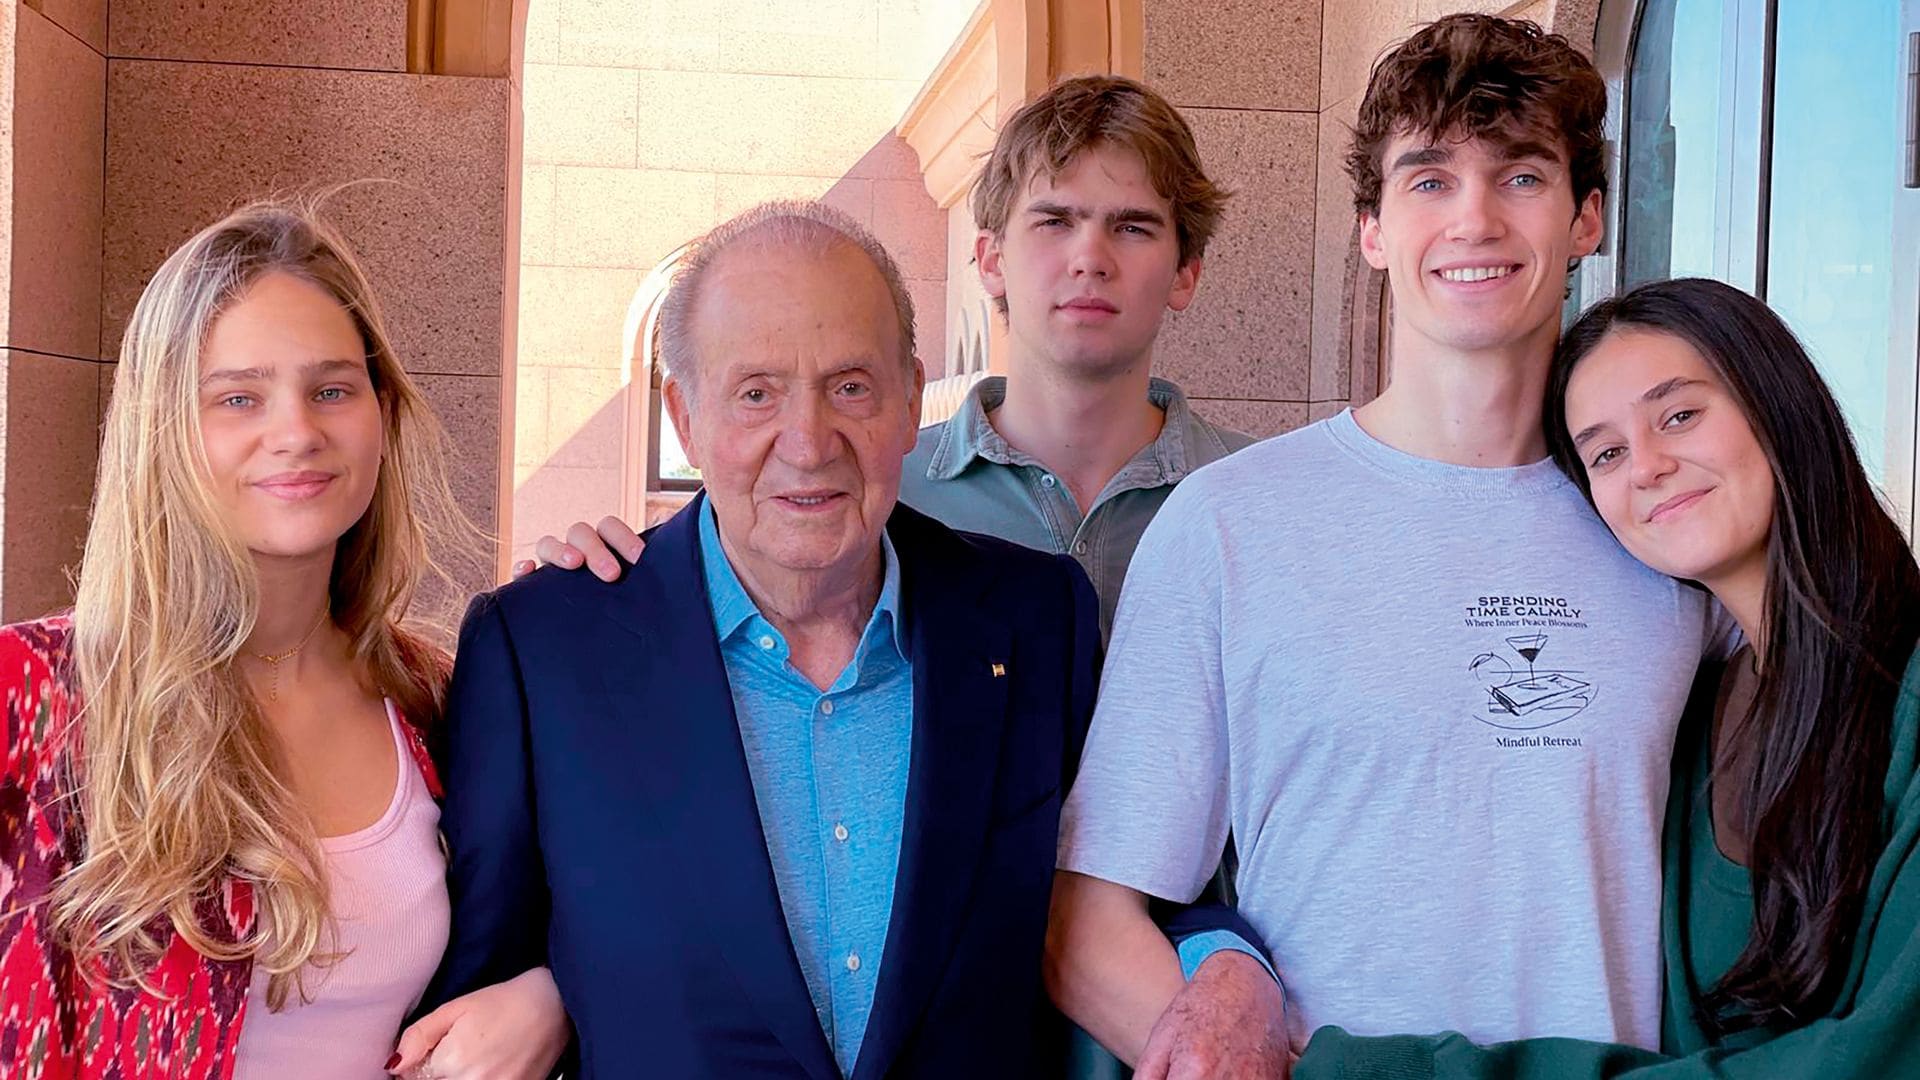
273 661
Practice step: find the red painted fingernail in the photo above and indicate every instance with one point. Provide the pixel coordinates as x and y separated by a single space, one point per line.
392 1061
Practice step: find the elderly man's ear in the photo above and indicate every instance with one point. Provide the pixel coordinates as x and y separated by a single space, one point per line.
917 391
674 395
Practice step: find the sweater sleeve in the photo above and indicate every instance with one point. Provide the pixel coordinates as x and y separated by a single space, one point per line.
1871 1038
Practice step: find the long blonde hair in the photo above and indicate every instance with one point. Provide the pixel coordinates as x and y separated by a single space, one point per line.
177 780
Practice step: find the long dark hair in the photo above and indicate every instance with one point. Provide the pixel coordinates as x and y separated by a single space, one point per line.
1842 613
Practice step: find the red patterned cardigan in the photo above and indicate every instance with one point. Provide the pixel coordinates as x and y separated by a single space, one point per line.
55 1023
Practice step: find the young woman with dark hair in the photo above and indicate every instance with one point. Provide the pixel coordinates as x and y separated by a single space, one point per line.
1700 430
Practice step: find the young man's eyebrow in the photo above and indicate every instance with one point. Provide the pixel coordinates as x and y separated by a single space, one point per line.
1125 215
1426 155
1530 148
1053 209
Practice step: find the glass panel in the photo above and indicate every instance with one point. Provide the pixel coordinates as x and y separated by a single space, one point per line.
1838 96
1677 145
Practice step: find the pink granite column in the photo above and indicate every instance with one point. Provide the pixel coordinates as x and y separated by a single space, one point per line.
211 105
53 69
1246 76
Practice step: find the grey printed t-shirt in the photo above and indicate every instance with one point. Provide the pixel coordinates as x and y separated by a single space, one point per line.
1435 705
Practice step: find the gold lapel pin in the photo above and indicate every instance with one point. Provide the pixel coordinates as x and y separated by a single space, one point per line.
999 671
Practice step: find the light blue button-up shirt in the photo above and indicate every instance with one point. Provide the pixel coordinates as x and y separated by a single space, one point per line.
830 776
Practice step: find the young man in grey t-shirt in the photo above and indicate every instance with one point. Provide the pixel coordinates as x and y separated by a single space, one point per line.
1394 652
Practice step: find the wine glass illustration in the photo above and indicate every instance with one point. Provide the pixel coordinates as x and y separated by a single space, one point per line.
1528 646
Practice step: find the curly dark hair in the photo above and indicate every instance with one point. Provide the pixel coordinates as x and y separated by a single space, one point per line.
1484 77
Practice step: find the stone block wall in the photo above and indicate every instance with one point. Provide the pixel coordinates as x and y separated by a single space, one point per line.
134 123
1246 73
53 78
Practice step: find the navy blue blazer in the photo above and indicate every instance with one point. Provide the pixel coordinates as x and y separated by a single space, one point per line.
601 819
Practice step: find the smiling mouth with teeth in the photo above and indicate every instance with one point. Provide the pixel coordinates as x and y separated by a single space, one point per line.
808 500
1477 273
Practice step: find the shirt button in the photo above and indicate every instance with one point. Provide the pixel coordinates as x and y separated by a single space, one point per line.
1047 479
840 832
826 707
1080 547
766 641
853 961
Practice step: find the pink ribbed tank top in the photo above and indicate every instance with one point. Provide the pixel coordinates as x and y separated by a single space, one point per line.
388 890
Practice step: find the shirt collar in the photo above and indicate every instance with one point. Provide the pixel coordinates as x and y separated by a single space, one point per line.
968 435
733 608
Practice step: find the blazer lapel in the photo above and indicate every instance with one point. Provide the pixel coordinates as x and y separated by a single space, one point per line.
692 767
959 711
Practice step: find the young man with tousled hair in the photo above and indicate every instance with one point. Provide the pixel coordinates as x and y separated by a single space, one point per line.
1394 652
1094 215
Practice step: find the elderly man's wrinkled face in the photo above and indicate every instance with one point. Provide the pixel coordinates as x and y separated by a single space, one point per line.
802 407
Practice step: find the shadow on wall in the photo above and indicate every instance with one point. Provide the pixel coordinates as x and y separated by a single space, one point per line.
575 450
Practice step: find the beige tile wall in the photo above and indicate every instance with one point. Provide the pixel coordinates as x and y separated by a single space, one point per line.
51 448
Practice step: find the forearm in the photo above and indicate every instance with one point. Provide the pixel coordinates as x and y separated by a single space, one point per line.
1108 966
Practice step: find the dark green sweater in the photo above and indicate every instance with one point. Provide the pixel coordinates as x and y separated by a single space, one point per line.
1873 1031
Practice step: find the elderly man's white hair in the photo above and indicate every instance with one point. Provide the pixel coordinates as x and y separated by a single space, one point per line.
810 226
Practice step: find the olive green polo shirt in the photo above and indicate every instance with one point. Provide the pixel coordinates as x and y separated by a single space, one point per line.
963 473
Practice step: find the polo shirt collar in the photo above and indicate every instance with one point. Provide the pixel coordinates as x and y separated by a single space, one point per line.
968 435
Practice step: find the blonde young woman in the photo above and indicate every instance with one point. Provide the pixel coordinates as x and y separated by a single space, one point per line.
219 850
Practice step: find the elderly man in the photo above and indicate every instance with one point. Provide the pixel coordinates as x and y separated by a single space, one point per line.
783 801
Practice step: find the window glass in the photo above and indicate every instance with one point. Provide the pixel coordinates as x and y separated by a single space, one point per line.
1837 146
1677 156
